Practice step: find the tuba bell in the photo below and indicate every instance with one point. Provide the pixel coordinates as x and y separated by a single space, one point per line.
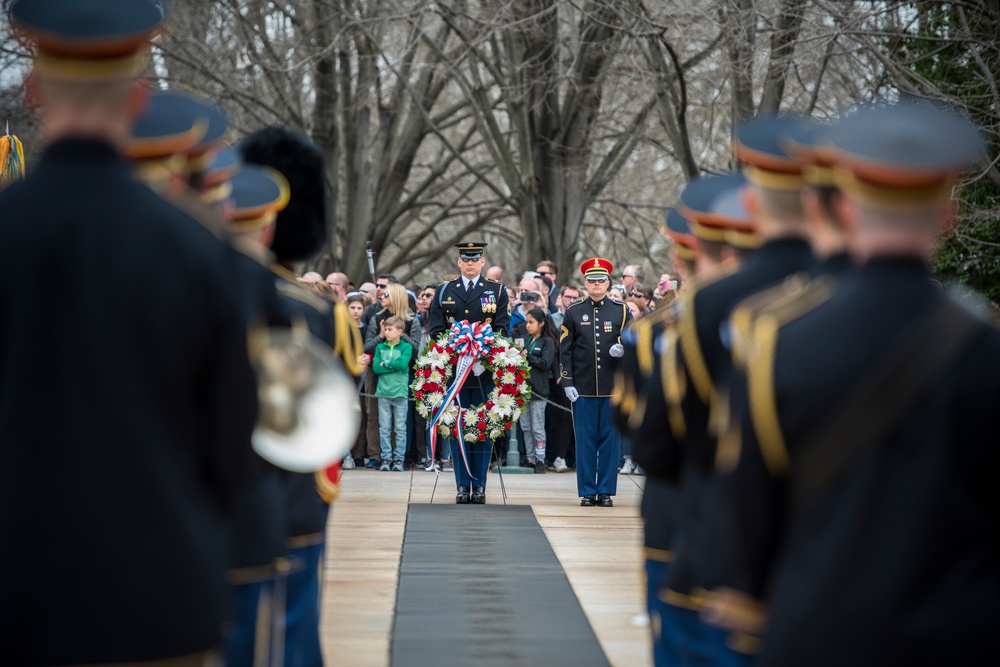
308 403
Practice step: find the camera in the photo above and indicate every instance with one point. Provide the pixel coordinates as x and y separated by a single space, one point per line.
529 296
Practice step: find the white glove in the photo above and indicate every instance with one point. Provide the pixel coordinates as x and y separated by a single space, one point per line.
478 369
572 394
616 350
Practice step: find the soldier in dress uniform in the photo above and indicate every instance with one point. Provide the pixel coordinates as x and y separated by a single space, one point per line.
122 452
702 361
300 232
641 342
255 631
473 298
705 240
863 490
588 379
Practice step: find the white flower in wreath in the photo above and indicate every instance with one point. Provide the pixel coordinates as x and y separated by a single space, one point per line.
437 360
434 398
507 378
505 402
448 416
470 418
509 357
516 414
423 410
436 377
495 433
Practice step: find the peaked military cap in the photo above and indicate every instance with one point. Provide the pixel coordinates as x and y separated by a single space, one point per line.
903 157
170 124
676 228
760 144
696 204
597 267
258 195
215 184
809 143
471 249
729 211
96 40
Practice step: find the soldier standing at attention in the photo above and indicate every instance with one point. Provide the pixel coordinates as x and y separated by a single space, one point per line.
588 380
472 298
299 232
122 450
865 483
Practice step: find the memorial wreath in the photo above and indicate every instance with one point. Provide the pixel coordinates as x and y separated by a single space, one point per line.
442 369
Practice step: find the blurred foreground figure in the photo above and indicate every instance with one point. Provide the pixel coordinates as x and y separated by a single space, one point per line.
126 405
863 478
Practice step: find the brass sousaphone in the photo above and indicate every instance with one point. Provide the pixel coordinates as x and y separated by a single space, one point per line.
309 412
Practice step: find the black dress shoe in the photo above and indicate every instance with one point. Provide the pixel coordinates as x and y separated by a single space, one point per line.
463 496
539 468
478 495
604 500
588 500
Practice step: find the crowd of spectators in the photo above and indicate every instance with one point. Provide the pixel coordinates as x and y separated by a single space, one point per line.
393 436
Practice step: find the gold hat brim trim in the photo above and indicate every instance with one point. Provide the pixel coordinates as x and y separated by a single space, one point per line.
59 68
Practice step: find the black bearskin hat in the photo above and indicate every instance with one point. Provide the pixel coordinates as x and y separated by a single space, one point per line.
302 228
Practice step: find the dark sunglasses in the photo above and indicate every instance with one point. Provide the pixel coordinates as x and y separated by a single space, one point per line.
382 286
597 280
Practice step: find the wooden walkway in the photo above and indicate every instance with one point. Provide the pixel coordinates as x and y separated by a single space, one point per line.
599 548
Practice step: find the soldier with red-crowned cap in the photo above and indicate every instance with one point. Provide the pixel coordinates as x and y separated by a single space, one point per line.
590 340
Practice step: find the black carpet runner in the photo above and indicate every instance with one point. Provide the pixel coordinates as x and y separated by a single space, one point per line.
480 586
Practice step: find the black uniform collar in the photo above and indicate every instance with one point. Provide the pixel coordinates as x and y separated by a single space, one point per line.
598 303
836 263
884 268
89 152
787 244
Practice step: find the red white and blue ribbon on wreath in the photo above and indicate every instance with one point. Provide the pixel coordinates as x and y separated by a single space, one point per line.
470 342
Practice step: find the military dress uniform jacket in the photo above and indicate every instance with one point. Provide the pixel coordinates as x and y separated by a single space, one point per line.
127 402
675 441
487 302
260 516
898 552
589 330
329 323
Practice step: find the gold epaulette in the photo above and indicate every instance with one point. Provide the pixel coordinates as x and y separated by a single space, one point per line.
347 340
760 368
303 294
694 356
742 317
645 335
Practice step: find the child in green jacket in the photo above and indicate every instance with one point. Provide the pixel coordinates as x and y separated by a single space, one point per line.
391 364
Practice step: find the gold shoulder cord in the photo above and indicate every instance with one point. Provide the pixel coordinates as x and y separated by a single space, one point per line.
347 340
326 489
694 359
741 320
674 385
760 371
